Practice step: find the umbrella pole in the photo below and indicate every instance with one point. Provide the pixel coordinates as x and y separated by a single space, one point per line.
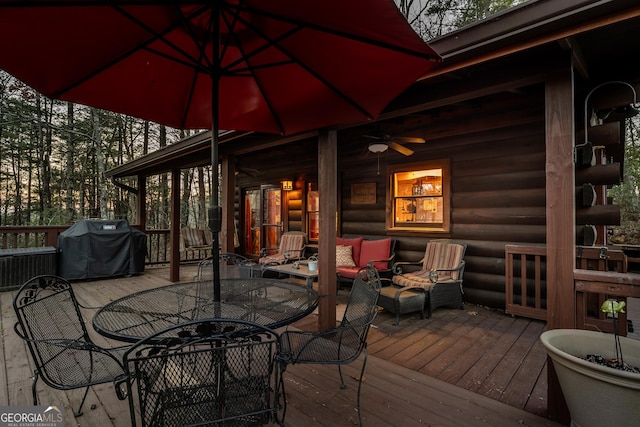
215 211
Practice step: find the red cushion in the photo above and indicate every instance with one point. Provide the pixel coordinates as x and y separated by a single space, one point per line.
347 272
374 250
355 243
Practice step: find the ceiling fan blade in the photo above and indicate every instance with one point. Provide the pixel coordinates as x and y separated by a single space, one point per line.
248 171
409 140
400 148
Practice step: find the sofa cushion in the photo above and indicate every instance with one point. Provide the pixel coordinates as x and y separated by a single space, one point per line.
344 257
356 243
347 272
375 250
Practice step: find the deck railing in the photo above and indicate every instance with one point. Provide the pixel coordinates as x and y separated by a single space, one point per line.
526 280
29 237
600 273
158 247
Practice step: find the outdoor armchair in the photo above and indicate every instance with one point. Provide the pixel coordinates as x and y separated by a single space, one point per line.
51 323
345 343
292 246
438 282
204 372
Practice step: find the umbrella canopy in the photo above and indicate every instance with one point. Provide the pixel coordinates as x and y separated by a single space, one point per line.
274 66
282 66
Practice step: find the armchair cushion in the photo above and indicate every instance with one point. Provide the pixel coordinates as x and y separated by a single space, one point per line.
291 247
419 279
443 256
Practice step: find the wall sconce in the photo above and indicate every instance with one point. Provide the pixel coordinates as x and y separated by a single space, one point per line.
582 152
287 185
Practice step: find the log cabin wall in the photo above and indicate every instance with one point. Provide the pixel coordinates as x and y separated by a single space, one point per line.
496 146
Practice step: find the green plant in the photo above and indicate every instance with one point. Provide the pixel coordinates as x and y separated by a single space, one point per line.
612 308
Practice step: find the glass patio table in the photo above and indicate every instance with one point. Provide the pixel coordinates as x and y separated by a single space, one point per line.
268 302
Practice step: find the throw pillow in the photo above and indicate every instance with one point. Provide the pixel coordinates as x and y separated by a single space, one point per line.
355 243
344 256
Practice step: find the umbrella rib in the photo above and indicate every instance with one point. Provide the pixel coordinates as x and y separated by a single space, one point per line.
154 37
328 30
276 45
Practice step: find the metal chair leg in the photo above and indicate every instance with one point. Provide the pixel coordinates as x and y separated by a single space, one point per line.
33 388
364 363
84 397
342 384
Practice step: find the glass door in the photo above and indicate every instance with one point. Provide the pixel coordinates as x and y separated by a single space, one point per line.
272 218
262 224
252 222
313 213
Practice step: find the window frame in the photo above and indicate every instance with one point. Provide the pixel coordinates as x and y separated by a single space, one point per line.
390 222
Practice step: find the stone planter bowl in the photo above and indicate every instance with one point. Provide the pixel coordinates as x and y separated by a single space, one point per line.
596 395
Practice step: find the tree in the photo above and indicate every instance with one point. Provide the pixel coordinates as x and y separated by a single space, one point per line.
433 18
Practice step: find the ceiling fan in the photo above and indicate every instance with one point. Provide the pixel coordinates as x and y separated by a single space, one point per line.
246 171
383 140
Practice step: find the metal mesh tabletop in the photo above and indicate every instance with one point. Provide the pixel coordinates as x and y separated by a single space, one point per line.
268 302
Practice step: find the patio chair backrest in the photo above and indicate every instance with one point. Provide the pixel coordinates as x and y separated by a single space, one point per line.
50 321
362 305
361 309
205 267
203 372
443 255
292 245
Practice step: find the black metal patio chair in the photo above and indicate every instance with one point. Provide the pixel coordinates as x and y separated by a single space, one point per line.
205 267
204 372
345 343
51 323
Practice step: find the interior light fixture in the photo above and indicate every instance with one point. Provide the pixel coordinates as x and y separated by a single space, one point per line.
378 147
621 113
287 185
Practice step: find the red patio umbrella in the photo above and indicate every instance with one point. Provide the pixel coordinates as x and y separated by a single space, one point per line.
275 66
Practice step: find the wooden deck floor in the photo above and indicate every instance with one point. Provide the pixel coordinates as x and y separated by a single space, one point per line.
461 367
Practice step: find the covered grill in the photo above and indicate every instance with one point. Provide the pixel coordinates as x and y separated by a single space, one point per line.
101 248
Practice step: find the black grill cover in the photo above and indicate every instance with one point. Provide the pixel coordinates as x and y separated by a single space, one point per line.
101 248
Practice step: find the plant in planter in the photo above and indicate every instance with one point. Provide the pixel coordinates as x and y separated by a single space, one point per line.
597 393
612 308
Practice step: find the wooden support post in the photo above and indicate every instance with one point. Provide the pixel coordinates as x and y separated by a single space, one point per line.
174 227
228 204
141 203
328 189
560 233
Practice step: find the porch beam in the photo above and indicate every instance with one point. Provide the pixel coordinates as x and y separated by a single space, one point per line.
328 188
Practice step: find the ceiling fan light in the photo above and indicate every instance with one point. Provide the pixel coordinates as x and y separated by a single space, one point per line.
378 147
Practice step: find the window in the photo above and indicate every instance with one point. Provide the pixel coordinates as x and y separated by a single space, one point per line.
419 197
